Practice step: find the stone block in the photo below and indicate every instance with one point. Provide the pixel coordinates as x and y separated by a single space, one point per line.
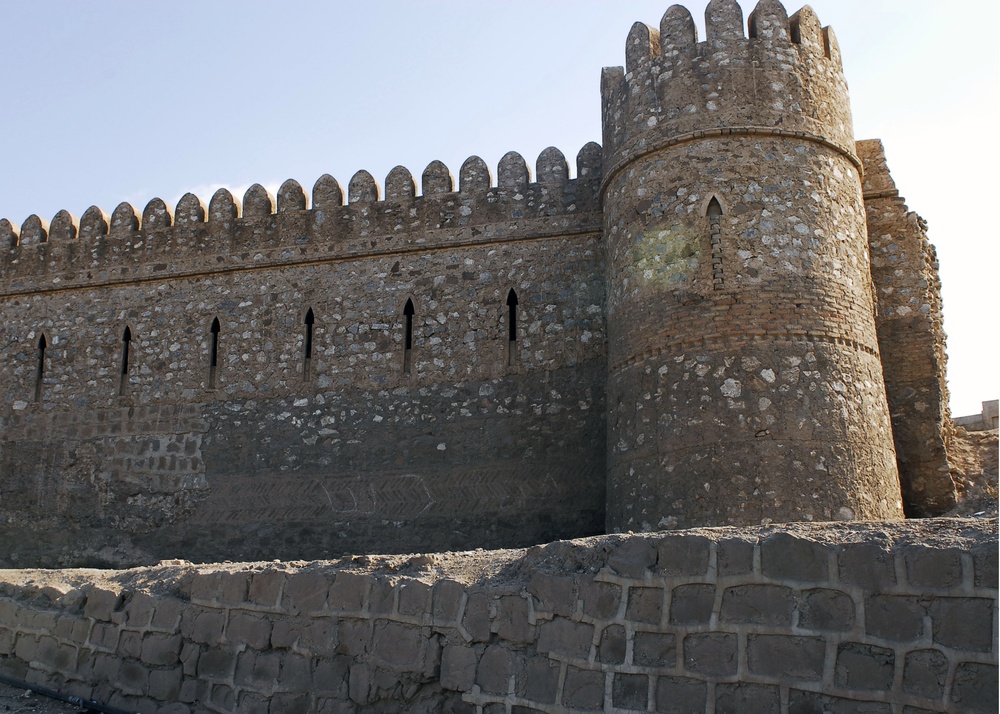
786 656
654 649
306 592
102 635
630 691
399 644
933 568
496 666
984 563
554 594
476 620
286 631
291 703
165 684
203 626
692 604
537 679
632 557
258 670
680 695
265 587
963 623
319 637
758 605
101 603
734 557
133 678
168 613
249 629
381 597
828 610
190 653
139 610
743 698
711 653
645 605
684 555
349 591
861 666
611 649
331 677
583 689
194 690
566 638
867 565
296 673
511 621
217 664
414 598
130 644
458 667
359 683
800 702
203 588
161 650
447 602
600 600
253 703
787 557
974 687
925 673
897 618
224 698
353 637
233 587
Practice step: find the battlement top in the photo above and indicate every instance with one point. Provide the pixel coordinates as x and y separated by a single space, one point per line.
42 255
778 74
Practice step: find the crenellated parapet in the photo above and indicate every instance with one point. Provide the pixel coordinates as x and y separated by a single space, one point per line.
781 77
264 230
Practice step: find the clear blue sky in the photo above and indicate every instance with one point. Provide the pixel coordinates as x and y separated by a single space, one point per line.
112 100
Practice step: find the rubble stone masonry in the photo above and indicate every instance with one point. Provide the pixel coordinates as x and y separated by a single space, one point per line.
878 618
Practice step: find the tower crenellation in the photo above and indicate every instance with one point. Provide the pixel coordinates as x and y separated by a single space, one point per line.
785 78
162 239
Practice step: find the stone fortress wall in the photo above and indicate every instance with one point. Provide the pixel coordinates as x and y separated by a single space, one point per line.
728 299
408 372
486 429
877 618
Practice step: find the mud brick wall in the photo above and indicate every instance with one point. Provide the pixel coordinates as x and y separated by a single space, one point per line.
880 617
911 338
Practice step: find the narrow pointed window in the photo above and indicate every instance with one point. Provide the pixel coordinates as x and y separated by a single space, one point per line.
511 326
123 376
308 351
408 337
40 370
213 363
715 223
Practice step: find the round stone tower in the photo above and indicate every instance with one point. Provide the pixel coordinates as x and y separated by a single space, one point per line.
744 375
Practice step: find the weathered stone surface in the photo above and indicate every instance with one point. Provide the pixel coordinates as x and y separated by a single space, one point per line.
864 667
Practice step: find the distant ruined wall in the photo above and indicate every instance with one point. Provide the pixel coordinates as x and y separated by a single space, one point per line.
847 618
911 338
488 431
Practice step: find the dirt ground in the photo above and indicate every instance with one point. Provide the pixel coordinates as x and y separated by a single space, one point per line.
19 700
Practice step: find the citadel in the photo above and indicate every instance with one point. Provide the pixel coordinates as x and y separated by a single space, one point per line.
694 398
727 317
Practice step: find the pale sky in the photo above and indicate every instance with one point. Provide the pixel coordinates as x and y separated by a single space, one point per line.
110 101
